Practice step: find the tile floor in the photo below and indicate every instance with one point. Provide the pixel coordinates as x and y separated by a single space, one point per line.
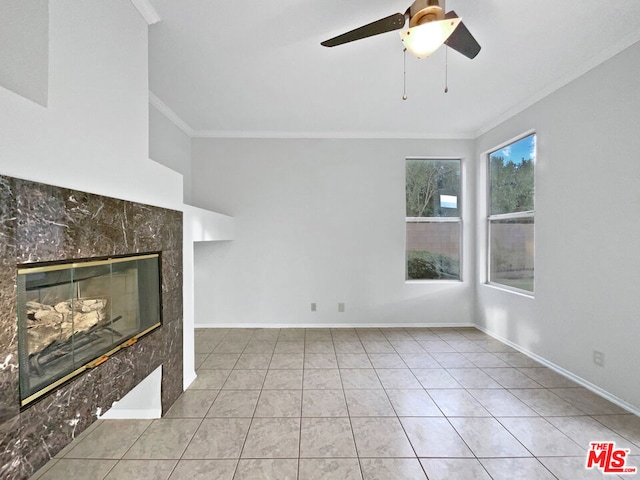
440 403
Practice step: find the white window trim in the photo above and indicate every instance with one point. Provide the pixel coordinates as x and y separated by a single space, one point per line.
438 220
505 216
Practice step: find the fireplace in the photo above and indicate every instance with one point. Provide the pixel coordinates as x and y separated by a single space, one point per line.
73 315
45 226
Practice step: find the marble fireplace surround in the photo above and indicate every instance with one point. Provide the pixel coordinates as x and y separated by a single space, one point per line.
41 223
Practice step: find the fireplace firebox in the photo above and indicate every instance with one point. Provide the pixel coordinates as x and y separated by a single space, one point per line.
73 316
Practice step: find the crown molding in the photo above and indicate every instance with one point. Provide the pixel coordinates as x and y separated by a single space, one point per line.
170 114
597 59
265 134
147 11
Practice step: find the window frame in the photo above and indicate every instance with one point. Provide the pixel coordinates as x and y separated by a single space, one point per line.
509 216
457 220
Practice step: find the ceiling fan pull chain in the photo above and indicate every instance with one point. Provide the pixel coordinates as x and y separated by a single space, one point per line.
404 75
446 69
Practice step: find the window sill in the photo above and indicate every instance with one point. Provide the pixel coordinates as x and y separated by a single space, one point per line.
505 288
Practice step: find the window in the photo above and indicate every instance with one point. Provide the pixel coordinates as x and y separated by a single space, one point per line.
511 214
433 207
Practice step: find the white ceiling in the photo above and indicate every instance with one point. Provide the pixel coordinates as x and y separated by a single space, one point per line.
256 68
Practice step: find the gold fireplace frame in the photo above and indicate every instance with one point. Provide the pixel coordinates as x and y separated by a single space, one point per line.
105 356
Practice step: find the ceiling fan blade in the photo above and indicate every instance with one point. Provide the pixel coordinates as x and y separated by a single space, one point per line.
461 39
387 24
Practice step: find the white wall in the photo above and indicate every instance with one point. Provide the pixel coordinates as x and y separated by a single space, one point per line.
171 147
318 221
587 230
24 53
93 134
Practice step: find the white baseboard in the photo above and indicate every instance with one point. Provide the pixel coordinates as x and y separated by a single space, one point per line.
132 414
188 379
335 325
565 373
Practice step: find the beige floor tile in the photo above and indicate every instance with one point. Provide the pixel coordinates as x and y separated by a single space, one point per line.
322 379
260 347
287 361
588 402
245 380
511 378
454 468
380 437
435 437
485 360
273 438
626 425
279 403
545 402
452 360
437 346
234 403
435 378
541 438
502 403
547 377
572 468
283 380
584 430
387 360
192 404
326 437
473 378
110 440
517 359
320 360
283 347
368 403
348 346
210 379
267 469
319 347
65 469
324 403
377 346
164 439
521 468
457 403
329 468
392 469
359 378
218 438
493 395
353 360
486 437
204 470
253 361
419 360
398 378
413 403
407 346
142 470
220 361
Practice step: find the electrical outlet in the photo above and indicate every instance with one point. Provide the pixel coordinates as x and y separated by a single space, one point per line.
313 307
341 307
598 358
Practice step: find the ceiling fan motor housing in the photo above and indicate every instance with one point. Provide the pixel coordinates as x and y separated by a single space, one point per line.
424 11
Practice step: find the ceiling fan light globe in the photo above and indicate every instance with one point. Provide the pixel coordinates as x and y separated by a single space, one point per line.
423 40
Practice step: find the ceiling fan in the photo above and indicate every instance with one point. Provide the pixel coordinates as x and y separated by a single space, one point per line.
429 28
